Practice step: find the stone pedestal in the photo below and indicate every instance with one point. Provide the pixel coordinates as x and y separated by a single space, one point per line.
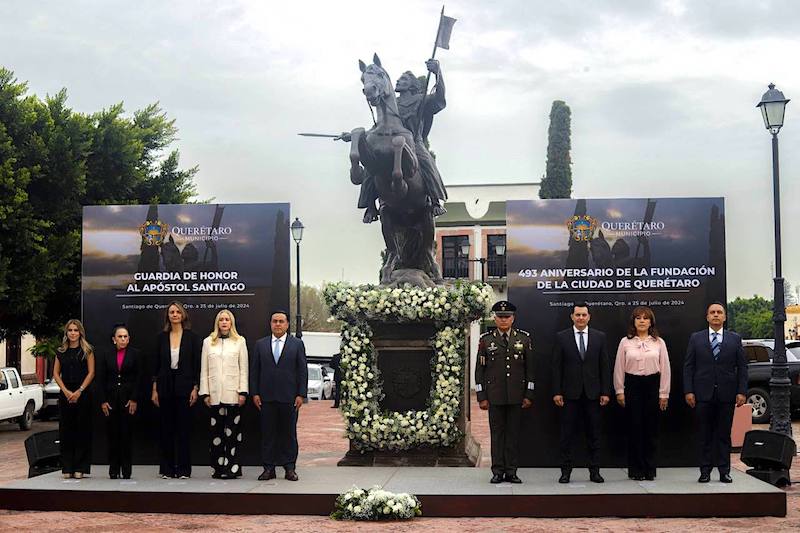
405 386
406 361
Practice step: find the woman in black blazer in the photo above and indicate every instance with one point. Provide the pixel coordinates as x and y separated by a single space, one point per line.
176 377
119 377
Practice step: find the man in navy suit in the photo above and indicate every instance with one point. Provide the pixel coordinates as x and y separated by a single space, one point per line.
714 380
278 384
581 385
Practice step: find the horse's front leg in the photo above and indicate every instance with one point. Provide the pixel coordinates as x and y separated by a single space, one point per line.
356 170
399 186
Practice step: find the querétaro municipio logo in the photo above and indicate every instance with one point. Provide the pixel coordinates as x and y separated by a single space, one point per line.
582 228
153 232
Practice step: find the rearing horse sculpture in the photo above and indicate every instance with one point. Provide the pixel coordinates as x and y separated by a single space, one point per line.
386 152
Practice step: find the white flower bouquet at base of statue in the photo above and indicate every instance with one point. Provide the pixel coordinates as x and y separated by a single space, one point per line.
451 309
375 504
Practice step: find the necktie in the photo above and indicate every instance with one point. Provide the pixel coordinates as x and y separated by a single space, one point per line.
505 338
715 345
276 350
581 345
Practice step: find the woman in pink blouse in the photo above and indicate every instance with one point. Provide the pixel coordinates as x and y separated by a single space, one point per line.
641 382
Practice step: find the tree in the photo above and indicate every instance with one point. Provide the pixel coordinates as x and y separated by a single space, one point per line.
557 182
52 162
751 317
315 313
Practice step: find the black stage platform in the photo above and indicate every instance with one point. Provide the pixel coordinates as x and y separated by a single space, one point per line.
451 492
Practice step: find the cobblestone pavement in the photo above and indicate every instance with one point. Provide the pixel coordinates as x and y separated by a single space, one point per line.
322 443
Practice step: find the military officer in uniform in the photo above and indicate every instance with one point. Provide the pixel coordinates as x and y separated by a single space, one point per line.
504 382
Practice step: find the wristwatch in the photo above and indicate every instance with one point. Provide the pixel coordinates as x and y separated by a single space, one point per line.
81 388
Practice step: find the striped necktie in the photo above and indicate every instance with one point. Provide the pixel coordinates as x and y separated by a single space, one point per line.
715 345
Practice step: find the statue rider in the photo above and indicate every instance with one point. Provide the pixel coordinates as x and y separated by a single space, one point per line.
410 96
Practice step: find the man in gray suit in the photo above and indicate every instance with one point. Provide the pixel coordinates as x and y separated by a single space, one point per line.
278 384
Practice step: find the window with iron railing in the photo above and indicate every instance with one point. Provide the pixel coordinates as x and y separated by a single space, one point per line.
454 263
495 261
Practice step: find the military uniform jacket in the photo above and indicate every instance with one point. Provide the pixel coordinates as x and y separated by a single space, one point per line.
504 370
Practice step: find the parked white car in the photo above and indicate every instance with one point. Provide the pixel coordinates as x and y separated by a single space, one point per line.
319 388
51 393
18 402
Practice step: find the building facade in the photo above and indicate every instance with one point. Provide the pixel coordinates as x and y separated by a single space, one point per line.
471 239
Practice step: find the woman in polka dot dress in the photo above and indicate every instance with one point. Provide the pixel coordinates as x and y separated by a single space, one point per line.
223 386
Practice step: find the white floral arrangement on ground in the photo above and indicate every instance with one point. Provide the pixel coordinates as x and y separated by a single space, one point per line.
451 309
375 504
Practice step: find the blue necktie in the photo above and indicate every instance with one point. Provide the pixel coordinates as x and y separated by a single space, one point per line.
715 345
582 346
276 352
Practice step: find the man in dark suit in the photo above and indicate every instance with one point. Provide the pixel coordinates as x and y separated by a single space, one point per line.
581 385
714 381
504 383
278 384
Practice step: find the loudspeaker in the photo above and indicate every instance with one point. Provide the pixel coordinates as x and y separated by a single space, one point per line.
768 450
43 453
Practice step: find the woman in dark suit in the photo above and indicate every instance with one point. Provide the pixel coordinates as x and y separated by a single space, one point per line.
176 377
119 377
74 372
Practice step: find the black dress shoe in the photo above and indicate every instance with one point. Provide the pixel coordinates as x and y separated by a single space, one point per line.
291 475
564 477
725 478
595 477
650 477
216 475
267 474
113 476
705 477
497 478
512 478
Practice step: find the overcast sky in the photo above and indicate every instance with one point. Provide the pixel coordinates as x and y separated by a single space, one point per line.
663 99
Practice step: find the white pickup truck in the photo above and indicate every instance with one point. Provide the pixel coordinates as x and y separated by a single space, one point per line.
18 402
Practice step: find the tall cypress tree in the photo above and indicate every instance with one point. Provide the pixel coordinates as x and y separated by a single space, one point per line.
557 182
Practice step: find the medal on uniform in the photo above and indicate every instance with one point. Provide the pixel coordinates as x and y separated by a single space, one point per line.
518 346
516 356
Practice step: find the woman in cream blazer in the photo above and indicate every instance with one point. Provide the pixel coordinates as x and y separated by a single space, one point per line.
223 386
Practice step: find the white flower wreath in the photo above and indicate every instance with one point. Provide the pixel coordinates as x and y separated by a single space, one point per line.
451 309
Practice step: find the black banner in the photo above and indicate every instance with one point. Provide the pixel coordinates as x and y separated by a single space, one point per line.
615 254
137 259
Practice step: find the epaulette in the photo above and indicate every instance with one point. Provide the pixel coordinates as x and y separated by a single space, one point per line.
484 334
524 332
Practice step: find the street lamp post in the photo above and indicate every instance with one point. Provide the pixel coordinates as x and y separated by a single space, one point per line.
297 235
773 107
500 249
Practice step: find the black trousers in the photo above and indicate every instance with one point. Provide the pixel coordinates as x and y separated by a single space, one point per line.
226 439
279 435
576 413
75 433
337 396
176 428
504 423
716 419
119 426
641 404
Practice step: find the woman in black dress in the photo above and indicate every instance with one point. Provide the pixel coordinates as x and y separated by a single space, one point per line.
119 378
74 371
176 378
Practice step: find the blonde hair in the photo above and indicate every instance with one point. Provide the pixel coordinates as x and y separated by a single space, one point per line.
215 334
86 348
